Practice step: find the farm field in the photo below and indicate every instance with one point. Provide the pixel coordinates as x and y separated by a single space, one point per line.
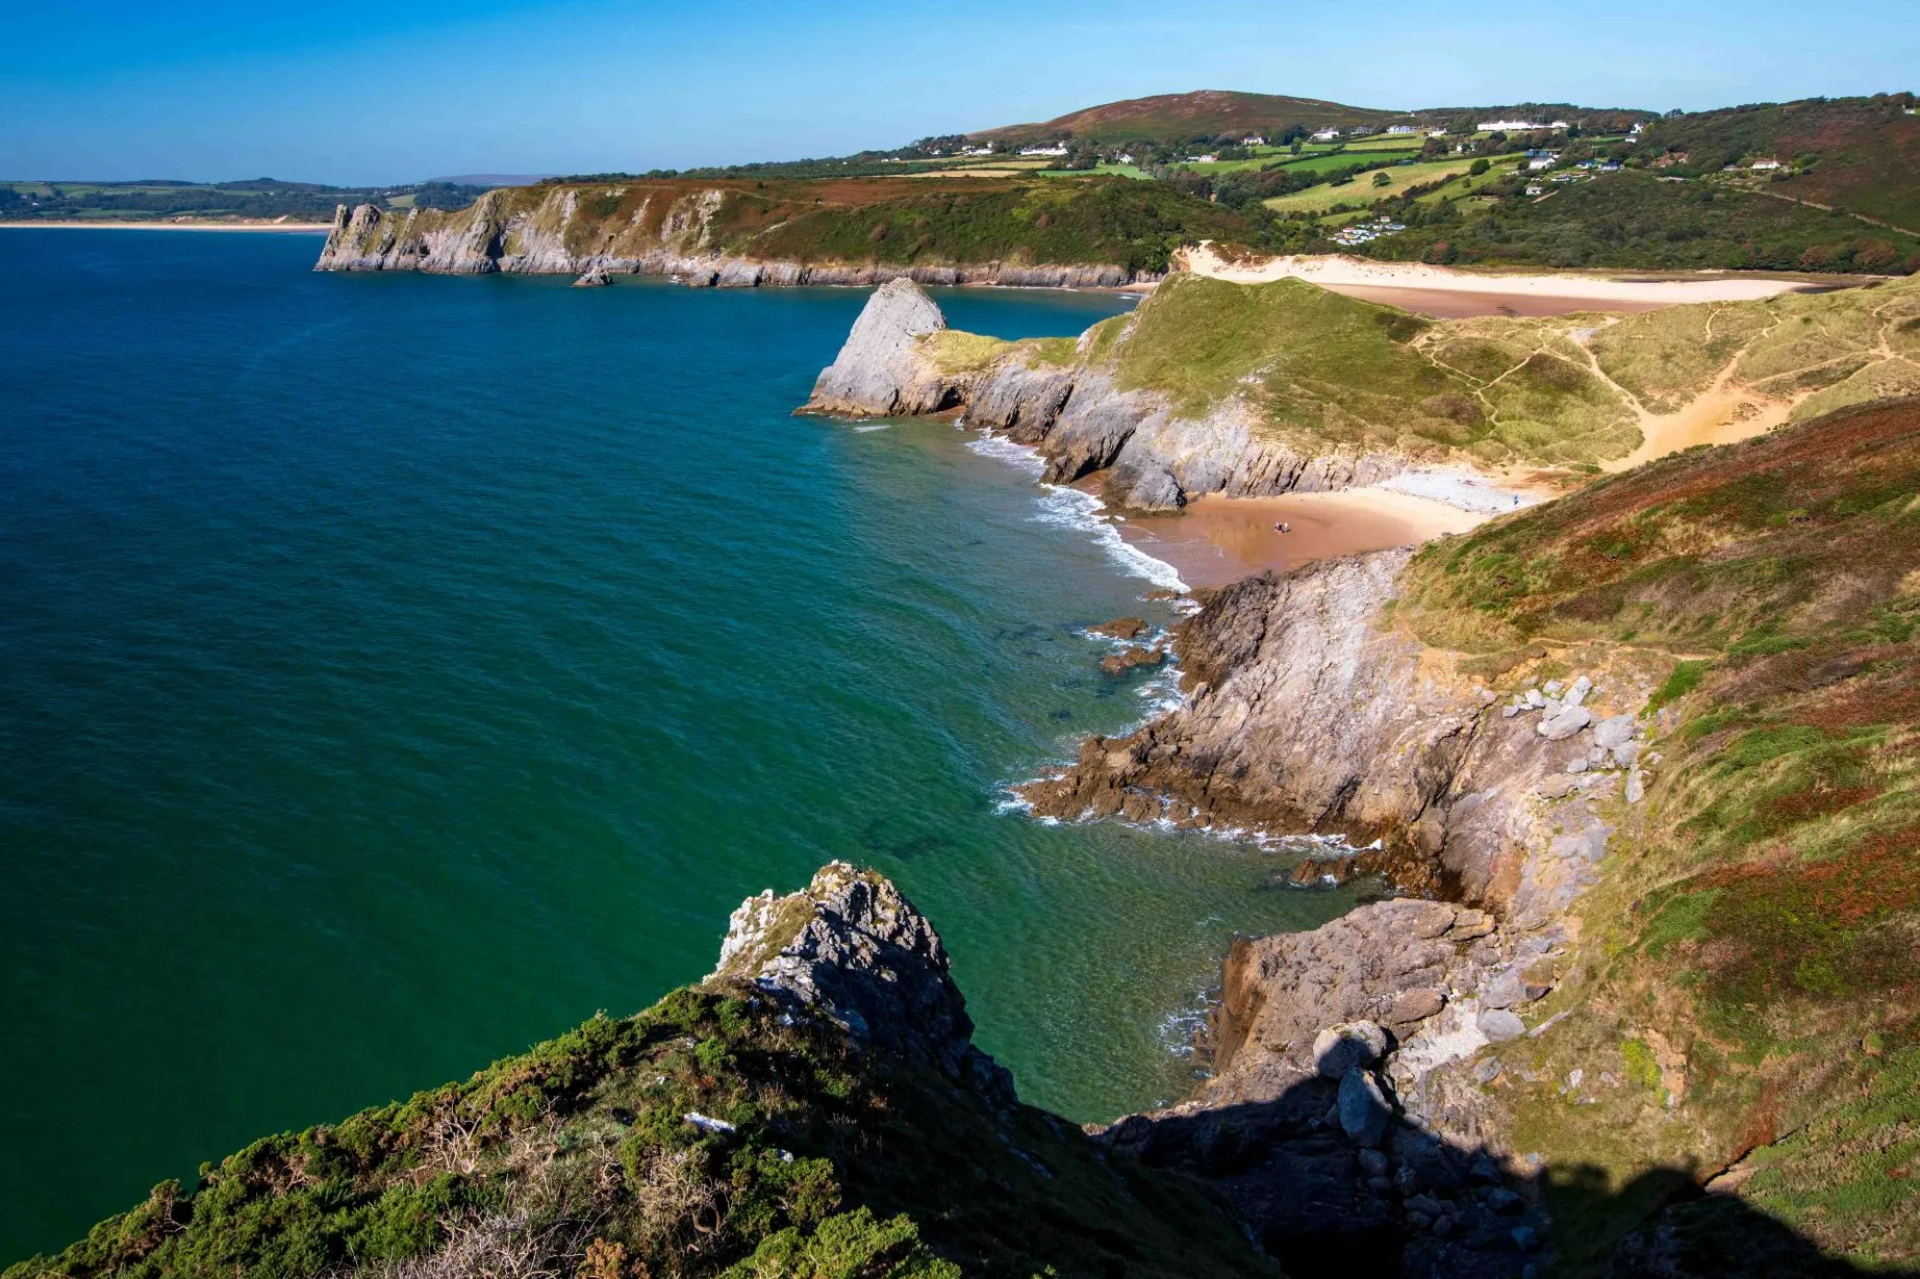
1114 170
1398 142
1362 190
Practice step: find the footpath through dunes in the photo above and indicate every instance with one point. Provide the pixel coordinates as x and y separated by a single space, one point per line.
1658 739
1081 232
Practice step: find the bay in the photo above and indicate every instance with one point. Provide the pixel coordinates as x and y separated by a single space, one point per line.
398 669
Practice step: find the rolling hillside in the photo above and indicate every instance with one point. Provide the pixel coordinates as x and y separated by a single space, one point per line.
1206 112
1861 154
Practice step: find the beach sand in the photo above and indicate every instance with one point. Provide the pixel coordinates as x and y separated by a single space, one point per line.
303 227
1218 540
1467 293
1453 304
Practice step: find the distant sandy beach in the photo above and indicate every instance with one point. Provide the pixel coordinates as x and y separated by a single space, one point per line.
1451 293
305 227
1218 540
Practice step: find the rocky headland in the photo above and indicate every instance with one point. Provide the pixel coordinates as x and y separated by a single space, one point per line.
1608 747
727 235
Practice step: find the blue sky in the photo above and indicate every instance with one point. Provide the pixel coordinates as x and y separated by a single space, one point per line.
210 89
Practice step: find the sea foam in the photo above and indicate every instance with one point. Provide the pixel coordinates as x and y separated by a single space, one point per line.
1082 512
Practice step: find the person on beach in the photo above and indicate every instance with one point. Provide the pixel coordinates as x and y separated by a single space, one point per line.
1283 527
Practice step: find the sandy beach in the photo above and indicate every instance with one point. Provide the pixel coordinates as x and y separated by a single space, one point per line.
1453 293
1218 540
304 227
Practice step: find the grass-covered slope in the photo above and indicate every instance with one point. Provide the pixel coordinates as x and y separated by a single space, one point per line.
1170 117
858 221
1322 371
580 1158
1753 992
1650 221
1127 223
1862 154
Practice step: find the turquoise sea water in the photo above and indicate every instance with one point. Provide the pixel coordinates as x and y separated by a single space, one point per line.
397 670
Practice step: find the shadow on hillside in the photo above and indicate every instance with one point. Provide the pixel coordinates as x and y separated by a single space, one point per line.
1323 1205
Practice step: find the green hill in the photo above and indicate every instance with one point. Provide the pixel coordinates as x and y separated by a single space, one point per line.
1170 117
1861 154
1640 219
1750 938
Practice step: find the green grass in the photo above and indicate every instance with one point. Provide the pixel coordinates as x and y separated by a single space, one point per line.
1755 914
1634 220
1363 191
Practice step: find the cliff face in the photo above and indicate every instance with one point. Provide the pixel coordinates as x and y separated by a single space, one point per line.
1152 456
1646 742
720 236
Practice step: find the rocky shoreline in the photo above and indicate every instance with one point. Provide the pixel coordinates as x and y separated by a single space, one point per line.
1348 1116
495 238
1147 455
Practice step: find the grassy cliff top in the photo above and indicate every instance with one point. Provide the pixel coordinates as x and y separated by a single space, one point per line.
710 1135
1325 372
890 221
1754 986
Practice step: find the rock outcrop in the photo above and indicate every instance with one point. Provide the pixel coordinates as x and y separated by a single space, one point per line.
851 948
1078 416
882 370
1309 713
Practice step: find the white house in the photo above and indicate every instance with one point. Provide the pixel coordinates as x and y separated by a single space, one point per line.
1208 158
1437 133
1540 162
1253 140
1058 148
1326 135
1125 157
976 150
1536 189
1518 126
1400 128
1765 166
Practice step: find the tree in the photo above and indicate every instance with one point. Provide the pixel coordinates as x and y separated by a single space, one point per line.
1479 166
1383 179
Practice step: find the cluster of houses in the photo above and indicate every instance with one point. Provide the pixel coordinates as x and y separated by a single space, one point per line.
1366 232
1054 149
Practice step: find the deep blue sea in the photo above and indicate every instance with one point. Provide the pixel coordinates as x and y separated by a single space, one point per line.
394 670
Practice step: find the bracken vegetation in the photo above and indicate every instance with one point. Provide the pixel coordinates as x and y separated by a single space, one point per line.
713 1135
1757 994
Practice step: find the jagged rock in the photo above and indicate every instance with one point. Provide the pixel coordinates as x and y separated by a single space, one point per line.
1636 786
1613 730
593 278
1338 1049
1364 1112
1118 664
1414 1006
1279 994
1564 723
1500 1026
882 370
1125 628
851 947
1578 693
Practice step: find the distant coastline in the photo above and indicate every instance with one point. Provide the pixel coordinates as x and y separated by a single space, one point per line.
77 224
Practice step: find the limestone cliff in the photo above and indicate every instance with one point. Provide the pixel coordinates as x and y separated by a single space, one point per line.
727 235
900 360
1650 746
